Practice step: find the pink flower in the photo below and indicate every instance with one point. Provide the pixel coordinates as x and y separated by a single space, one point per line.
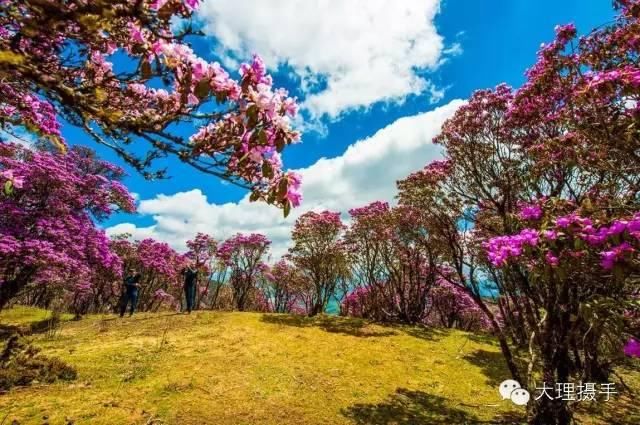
632 348
192 4
551 259
530 212
16 181
618 226
158 4
294 195
609 258
135 33
565 32
564 222
529 237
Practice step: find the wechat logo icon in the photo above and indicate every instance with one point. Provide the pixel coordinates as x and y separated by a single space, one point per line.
513 391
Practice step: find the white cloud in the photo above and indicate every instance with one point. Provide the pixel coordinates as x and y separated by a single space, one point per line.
18 135
348 54
367 171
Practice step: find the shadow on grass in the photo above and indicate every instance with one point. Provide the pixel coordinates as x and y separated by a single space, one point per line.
354 326
492 364
423 332
336 324
7 331
484 338
137 317
619 411
39 327
406 407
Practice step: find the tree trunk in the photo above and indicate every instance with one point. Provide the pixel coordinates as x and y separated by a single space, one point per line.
8 290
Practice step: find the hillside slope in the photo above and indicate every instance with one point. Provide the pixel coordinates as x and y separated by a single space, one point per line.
248 368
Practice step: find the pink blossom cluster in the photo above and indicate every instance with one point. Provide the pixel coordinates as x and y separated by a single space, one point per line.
354 304
29 110
241 140
202 249
450 305
239 243
502 248
374 209
605 237
632 348
626 75
530 211
7 176
50 229
325 222
189 4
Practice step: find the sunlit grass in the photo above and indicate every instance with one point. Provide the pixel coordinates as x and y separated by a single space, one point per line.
248 368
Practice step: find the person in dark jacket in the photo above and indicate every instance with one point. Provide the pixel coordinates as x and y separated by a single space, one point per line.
130 295
190 274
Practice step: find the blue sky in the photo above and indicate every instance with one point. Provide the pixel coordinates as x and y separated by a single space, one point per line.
376 80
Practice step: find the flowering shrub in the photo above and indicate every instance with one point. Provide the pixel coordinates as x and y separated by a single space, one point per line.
243 255
284 288
159 266
391 257
47 230
361 302
539 197
452 307
447 306
570 236
319 254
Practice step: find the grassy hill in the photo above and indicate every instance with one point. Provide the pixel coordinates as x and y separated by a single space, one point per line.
248 368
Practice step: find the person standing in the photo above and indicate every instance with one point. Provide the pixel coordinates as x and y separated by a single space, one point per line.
131 288
190 283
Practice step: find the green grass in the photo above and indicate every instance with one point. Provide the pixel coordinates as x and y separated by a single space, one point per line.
248 368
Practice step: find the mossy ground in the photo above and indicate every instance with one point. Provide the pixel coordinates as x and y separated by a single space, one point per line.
249 368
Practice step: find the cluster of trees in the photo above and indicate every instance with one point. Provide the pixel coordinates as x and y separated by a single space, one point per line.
538 194
536 200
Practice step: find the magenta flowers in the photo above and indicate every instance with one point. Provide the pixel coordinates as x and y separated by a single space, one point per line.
238 127
604 238
48 228
632 348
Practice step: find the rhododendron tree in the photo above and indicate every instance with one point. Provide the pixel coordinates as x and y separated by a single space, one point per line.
451 307
284 288
159 266
244 254
319 253
58 61
391 255
48 211
202 252
538 195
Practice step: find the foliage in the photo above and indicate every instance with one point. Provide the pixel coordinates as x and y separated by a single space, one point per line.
244 255
284 288
58 60
47 231
392 259
320 255
538 196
